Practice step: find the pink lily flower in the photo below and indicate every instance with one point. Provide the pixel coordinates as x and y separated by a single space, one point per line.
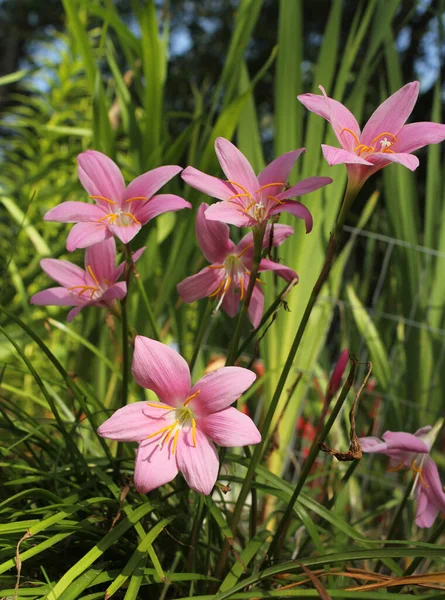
248 200
96 286
412 451
385 138
176 432
228 275
119 210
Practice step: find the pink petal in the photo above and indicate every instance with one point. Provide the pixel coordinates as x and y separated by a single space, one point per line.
286 273
83 235
230 427
426 512
381 159
310 184
256 306
407 442
274 236
135 256
417 135
115 292
338 156
236 166
213 237
125 233
56 296
63 271
423 431
73 313
132 423
200 285
220 389
278 171
212 186
373 445
100 176
227 213
75 212
149 183
161 369
230 303
392 114
432 479
154 467
101 258
159 205
297 209
337 114
199 465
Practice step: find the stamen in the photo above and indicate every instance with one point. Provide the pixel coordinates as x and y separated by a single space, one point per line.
167 427
191 397
102 198
216 267
263 187
90 271
227 285
175 442
160 406
84 289
132 216
108 282
218 289
397 468
194 432
384 133
242 287
111 216
351 132
239 196
136 198
418 470
240 186
276 200
245 210
245 250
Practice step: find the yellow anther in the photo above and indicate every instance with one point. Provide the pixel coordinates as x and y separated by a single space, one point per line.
364 148
245 250
245 210
240 187
218 289
167 427
382 134
387 150
216 267
351 132
276 200
90 271
84 289
267 185
239 196
136 198
194 432
397 467
111 216
102 198
418 470
241 281
132 217
191 397
108 282
175 442
160 406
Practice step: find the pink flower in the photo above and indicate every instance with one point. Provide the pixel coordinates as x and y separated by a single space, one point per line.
228 275
176 432
412 451
118 211
96 286
249 200
385 137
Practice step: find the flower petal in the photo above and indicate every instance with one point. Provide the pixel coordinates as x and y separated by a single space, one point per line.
256 306
100 176
83 235
373 445
101 259
230 427
154 467
381 159
125 233
63 271
135 256
426 512
220 389
200 285
392 114
274 236
337 114
74 312
56 296
278 171
159 205
213 237
161 369
305 186
199 465
132 423
435 497
230 303
297 209
74 212
227 213
236 166
417 135
149 183
115 292
212 186
407 442
338 156
283 271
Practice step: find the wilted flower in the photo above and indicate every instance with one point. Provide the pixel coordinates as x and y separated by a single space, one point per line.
385 137
228 276
412 451
96 286
118 211
176 432
249 200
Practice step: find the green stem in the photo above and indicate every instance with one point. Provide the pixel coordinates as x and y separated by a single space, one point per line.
201 332
150 314
313 453
258 235
124 315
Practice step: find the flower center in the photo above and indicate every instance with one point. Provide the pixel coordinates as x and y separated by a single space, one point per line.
95 291
253 206
182 417
120 218
417 466
364 151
